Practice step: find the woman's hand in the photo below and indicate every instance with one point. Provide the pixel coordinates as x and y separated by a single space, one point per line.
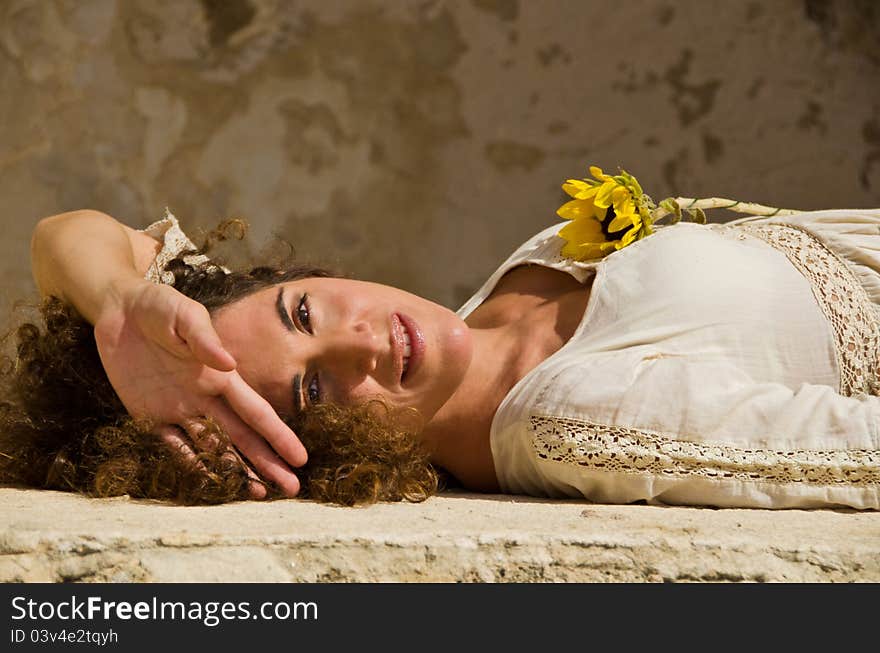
167 364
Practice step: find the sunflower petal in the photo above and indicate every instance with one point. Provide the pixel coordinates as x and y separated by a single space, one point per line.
622 221
574 186
579 189
583 252
619 197
603 197
589 192
629 237
583 230
576 209
596 171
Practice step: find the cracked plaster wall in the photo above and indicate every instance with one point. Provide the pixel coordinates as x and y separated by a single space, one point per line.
378 136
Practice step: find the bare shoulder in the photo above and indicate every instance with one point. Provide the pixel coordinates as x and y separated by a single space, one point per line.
519 289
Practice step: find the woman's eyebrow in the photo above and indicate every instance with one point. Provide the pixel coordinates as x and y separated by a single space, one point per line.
297 394
289 325
282 311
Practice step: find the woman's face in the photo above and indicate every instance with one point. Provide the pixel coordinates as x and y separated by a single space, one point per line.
344 341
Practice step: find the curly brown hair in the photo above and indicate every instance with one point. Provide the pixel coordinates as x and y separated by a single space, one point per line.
63 427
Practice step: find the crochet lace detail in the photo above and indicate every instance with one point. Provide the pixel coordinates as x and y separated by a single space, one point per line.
843 301
174 243
603 448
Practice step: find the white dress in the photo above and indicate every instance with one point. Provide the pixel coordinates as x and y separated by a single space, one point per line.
724 365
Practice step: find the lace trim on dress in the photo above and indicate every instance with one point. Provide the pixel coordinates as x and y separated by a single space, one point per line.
604 448
843 300
174 244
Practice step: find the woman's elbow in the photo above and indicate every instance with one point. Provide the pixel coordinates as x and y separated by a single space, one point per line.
52 227
50 224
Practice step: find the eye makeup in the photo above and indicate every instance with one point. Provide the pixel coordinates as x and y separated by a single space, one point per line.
313 388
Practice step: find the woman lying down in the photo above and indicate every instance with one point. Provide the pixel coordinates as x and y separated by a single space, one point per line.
608 358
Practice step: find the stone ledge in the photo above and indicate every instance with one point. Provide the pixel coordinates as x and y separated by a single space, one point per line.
54 537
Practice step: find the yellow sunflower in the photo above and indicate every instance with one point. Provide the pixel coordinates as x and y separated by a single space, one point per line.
606 213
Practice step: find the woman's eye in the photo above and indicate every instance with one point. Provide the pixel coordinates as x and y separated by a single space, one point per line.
314 391
303 313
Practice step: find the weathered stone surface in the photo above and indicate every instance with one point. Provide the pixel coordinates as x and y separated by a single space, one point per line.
54 537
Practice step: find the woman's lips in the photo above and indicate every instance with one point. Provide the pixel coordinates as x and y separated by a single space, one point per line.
417 346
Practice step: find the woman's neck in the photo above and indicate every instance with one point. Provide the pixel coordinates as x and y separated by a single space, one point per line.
525 320
458 434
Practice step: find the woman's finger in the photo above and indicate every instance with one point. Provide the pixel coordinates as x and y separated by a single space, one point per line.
255 449
256 487
197 331
262 418
174 437
196 430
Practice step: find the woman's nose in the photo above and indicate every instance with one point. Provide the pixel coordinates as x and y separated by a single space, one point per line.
356 349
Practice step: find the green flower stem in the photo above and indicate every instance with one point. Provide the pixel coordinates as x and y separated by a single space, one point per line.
690 204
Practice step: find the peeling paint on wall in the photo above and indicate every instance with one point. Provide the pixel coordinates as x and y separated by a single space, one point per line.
503 9
693 100
507 155
871 133
380 136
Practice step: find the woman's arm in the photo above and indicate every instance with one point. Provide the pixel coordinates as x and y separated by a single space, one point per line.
698 430
88 259
96 264
158 347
